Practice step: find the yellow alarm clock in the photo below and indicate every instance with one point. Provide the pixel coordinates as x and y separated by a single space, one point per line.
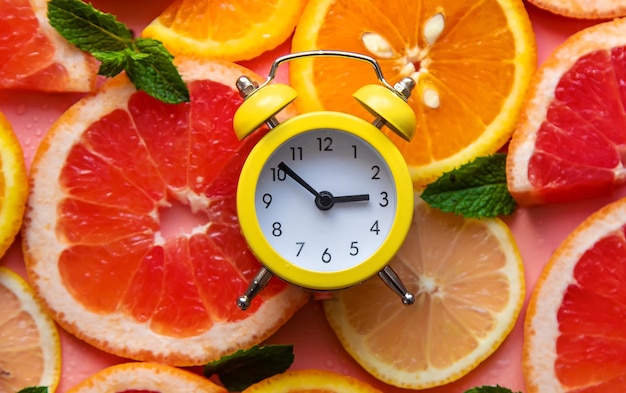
325 199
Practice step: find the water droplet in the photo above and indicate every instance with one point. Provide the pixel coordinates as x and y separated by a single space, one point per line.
21 109
330 363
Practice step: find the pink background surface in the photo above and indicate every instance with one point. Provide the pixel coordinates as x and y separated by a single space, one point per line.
538 230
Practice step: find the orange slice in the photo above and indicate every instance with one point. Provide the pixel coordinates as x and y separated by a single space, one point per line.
574 338
13 185
131 234
571 135
472 63
34 56
311 381
232 30
468 279
583 8
145 377
30 350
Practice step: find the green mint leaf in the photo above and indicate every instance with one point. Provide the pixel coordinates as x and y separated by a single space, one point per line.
111 63
87 28
477 189
247 367
34 389
147 62
151 69
490 389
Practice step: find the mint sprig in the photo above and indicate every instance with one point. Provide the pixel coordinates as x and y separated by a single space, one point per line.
34 389
247 367
477 189
490 389
147 62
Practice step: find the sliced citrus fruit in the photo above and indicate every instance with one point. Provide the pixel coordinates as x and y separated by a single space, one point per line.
131 235
231 30
34 56
13 185
304 381
472 63
468 279
574 331
571 135
583 9
30 350
145 377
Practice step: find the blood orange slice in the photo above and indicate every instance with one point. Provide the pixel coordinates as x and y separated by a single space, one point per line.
34 56
131 235
574 339
571 135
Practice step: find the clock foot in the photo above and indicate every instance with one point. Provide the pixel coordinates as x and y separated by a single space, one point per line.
392 280
258 283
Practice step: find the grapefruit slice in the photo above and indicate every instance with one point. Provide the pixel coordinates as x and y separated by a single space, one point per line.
583 8
574 336
34 56
570 140
131 235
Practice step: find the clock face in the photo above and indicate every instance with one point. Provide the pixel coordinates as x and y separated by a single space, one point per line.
325 200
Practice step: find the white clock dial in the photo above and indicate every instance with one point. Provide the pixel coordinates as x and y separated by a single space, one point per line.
325 200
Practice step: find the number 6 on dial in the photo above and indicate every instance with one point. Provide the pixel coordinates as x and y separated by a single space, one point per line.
325 199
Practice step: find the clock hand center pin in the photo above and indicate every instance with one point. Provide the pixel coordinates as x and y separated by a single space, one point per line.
324 200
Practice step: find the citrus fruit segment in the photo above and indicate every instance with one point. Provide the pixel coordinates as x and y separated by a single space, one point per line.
34 56
30 351
234 30
145 377
583 9
574 330
13 185
131 234
303 381
571 135
471 61
468 279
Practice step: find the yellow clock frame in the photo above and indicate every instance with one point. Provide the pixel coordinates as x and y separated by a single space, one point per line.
247 202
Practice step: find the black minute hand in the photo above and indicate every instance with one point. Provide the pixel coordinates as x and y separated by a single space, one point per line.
298 179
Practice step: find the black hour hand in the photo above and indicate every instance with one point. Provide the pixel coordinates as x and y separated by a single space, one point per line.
351 198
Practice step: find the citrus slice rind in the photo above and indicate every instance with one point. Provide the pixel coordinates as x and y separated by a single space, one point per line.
468 298
13 185
583 9
112 327
582 263
145 377
462 109
311 380
239 31
36 320
539 100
